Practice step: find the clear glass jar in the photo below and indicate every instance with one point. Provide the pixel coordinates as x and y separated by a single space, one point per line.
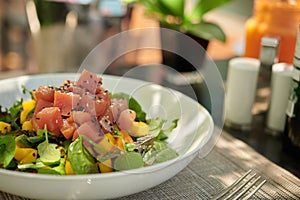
273 18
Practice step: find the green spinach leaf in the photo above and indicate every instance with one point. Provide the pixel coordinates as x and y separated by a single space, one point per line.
127 161
81 160
34 165
101 154
58 170
12 114
134 105
22 141
7 149
156 128
160 152
49 152
41 168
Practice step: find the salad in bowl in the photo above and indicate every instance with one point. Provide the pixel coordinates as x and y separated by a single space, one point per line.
80 127
90 136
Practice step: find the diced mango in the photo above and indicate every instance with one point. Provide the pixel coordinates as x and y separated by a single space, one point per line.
110 137
21 153
27 126
105 166
5 127
119 143
126 137
139 129
25 155
68 168
30 157
107 143
27 107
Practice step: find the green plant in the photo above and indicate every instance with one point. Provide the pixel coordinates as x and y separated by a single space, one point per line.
174 14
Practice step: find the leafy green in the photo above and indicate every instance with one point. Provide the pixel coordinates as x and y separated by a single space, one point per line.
22 141
49 152
127 161
7 149
40 136
25 90
12 165
134 105
172 126
160 152
45 169
36 139
81 161
130 147
59 170
36 165
12 114
156 128
103 154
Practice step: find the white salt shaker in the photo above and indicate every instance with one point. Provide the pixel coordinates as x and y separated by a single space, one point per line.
241 87
280 84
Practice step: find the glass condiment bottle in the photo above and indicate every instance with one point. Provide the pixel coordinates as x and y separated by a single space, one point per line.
292 127
273 18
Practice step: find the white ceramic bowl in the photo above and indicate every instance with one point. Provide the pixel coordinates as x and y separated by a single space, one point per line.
194 131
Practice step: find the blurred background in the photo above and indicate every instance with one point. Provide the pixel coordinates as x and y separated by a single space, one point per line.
40 36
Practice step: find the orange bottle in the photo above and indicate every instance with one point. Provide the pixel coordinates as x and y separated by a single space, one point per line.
273 18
